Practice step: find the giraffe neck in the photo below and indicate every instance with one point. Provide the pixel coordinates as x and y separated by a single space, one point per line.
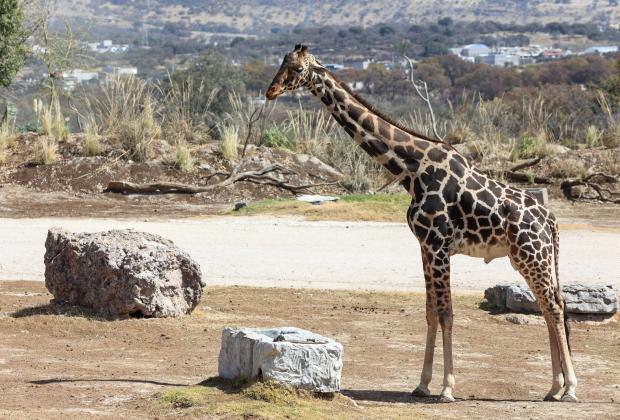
400 152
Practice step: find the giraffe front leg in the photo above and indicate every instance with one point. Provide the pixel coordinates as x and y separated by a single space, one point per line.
422 389
446 320
437 276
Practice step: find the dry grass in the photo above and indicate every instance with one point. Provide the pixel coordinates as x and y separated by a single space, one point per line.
182 121
217 397
7 140
92 145
128 111
52 120
229 143
183 161
46 150
568 168
137 135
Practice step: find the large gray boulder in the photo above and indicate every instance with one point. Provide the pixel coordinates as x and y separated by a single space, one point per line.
290 356
519 298
121 273
580 298
496 295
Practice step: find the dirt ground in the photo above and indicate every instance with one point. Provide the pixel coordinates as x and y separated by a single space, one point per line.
58 363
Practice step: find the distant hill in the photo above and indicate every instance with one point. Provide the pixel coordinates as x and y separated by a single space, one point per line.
260 16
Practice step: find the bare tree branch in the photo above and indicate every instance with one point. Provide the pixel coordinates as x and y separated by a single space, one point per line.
421 89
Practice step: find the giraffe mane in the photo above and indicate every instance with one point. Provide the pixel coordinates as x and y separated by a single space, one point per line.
380 114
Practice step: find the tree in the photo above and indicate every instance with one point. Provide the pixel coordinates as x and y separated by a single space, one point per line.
12 40
213 75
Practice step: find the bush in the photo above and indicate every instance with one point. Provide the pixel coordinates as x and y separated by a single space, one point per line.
276 138
530 147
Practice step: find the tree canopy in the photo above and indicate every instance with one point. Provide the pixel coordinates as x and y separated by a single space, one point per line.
12 40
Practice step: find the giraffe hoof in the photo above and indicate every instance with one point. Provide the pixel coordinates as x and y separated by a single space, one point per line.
569 398
551 397
419 392
445 399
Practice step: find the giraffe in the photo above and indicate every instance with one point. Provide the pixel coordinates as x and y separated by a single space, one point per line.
455 209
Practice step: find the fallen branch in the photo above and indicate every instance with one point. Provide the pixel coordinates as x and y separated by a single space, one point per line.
526 178
526 164
602 194
261 176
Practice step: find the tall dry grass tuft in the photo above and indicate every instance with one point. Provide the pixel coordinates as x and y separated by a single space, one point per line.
128 111
91 145
593 136
610 137
182 120
8 138
310 131
183 161
3 146
52 120
46 150
229 143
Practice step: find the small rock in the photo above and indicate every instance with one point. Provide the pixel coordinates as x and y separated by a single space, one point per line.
290 356
523 319
557 149
540 194
240 205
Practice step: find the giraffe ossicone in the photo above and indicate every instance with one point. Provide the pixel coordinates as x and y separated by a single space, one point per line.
455 209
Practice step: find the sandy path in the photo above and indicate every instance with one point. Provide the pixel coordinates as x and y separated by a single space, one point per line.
291 253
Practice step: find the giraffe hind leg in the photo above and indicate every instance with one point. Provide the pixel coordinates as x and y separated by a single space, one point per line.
538 275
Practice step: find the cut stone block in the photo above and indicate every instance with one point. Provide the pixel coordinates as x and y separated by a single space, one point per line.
540 194
290 356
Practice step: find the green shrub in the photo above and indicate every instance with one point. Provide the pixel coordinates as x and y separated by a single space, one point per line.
530 147
276 138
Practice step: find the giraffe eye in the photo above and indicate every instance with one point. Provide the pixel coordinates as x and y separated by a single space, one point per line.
298 69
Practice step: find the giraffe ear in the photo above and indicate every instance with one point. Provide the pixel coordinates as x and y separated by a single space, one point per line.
303 49
297 47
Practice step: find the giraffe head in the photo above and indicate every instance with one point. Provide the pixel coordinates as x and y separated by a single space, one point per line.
293 72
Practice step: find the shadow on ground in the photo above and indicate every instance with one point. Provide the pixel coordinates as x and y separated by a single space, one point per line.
56 309
137 381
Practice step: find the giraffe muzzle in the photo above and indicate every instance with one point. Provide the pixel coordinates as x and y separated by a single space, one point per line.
273 92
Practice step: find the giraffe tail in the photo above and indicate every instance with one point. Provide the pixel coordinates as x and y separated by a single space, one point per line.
556 258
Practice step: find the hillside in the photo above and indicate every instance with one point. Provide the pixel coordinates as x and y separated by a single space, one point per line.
261 16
